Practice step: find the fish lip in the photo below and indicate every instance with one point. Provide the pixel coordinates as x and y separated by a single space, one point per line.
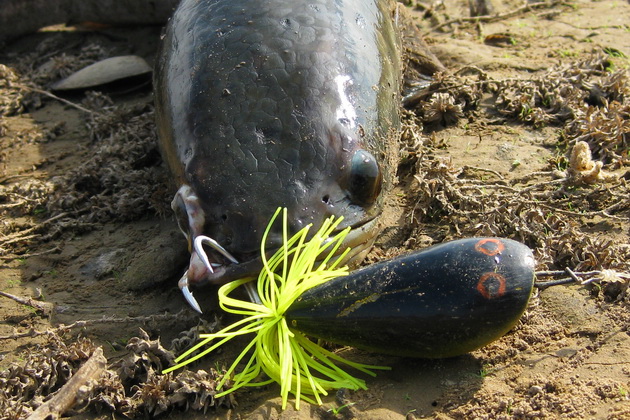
360 240
230 272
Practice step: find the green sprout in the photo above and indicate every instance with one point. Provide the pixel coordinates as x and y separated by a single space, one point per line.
568 53
284 354
486 370
615 53
526 111
337 410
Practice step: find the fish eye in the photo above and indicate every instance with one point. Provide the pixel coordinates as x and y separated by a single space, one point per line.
365 178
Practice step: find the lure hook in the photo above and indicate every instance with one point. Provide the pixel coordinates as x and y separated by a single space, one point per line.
183 286
198 243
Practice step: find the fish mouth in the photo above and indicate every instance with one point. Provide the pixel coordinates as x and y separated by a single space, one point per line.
360 240
219 266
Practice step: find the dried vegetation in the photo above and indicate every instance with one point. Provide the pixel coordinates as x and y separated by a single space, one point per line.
547 210
133 386
121 179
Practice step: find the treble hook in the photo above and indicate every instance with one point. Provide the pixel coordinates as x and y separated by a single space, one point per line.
183 286
198 247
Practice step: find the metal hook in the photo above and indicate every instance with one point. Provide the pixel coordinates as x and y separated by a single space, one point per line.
183 286
200 240
198 245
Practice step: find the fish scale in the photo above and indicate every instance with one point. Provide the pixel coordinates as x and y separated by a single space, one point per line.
274 104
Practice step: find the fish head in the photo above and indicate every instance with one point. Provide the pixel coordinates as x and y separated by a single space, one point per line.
264 107
336 173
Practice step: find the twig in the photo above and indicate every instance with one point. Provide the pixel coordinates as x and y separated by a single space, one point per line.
531 175
19 239
105 320
545 284
561 272
498 16
6 179
607 275
11 205
29 230
34 254
494 184
475 168
20 236
78 384
542 184
45 307
572 274
574 277
480 187
17 336
53 96
616 206
602 213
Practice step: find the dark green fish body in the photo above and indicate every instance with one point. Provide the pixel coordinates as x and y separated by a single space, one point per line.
267 104
443 301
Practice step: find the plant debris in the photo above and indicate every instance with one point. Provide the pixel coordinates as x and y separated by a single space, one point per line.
583 170
123 179
574 213
11 96
132 387
538 209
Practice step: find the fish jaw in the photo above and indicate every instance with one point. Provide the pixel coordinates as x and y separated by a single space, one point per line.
222 268
197 272
203 269
191 220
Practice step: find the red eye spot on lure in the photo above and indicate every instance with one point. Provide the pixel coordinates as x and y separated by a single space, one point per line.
491 285
490 246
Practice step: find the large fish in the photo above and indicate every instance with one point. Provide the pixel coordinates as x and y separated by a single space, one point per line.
278 103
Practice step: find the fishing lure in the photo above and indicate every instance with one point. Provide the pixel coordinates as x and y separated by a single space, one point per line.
439 302
284 354
442 301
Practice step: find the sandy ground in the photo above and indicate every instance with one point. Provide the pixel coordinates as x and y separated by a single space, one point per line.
86 225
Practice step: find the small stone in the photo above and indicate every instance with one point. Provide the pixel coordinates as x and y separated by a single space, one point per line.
163 259
104 264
